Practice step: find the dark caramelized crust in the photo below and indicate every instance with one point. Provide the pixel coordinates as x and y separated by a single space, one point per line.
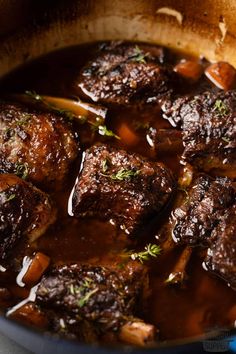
206 203
221 258
207 217
209 130
36 146
103 297
126 74
123 186
25 212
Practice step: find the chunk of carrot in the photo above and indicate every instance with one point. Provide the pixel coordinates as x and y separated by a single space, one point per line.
127 135
189 69
37 267
29 314
222 74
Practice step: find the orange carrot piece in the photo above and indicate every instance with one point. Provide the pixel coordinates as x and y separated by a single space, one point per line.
36 269
189 69
29 314
222 74
127 135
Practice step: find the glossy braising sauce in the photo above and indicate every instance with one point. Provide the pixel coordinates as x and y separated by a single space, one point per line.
204 302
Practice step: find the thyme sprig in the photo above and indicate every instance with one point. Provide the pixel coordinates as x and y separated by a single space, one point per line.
150 250
103 130
120 175
84 291
139 55
84 299
124 174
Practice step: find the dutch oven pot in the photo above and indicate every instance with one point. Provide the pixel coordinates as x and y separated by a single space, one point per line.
30 29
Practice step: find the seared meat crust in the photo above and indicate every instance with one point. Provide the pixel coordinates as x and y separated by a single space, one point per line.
206 203
126 74
221 258
207 217
36 146
80 294
25 211
209 130
125 187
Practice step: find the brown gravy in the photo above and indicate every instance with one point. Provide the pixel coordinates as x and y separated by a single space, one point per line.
205 302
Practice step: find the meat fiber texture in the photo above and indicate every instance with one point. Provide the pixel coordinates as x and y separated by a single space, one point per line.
122 186
39 146
88 300
207 217
125 74
208 122
25 213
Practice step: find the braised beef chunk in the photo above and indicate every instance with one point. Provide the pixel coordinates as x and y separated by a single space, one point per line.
98 299
36 146
168 141
221 258
206 203
120 185
209 130
207 217
126 74
25 212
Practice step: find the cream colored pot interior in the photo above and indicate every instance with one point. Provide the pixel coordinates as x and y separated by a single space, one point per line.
205 28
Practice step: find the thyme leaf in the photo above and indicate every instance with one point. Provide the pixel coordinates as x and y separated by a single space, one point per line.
22 170
84 291
84 299
122 174
72 289
103 130
139 56
105 165
221 108
11 197
227 140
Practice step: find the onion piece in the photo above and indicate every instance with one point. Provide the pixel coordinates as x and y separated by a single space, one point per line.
138 333
81 111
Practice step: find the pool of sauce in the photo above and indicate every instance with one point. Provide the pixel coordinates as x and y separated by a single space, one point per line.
204 302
